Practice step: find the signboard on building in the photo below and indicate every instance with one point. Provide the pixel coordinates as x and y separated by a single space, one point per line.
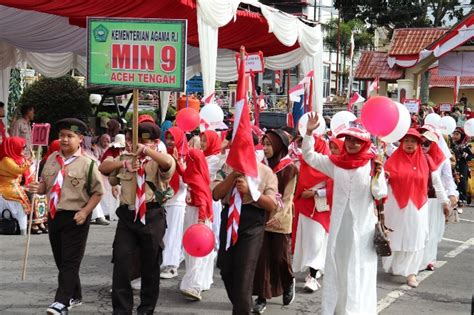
445 107
136 53
412 105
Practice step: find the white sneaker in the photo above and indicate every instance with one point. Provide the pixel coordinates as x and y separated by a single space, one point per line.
74 303
311 284
192 294
169 272
136 284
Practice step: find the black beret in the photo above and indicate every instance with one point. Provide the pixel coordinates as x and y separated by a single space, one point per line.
282 135
72 124
148 130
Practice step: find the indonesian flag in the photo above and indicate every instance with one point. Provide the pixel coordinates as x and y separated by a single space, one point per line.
356 98
298 90
374 86
208 99
242 157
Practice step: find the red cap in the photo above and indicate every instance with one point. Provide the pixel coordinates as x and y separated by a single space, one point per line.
414 133
356 133
145 118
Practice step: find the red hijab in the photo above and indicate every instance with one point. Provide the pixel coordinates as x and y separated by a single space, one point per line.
197 177
181 145
308 178
12 147
53 147
435 156
408 176
213 141
339 143
180 142
350 161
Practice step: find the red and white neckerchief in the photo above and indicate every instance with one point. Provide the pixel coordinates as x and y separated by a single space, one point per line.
284 162
233 218
55 194
140 200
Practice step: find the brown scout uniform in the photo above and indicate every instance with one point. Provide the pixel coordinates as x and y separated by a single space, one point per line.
132 235
68 240
238 263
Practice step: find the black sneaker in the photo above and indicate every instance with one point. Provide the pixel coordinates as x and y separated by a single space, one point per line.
260 306
57 309
289 294
74 303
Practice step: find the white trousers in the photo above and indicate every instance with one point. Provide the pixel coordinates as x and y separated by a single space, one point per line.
173 236
17 211
199 270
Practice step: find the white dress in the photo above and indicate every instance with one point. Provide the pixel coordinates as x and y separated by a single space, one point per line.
436 217
349 285
175 209
410 232
311 242
199 270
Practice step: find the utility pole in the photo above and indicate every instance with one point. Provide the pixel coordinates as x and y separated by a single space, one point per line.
338 50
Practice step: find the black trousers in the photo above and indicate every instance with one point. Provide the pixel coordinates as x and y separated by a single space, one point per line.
238 263
68 242
148 239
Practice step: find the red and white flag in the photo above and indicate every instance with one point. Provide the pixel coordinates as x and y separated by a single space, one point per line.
356 98
208 99
374 86
242 157
298 90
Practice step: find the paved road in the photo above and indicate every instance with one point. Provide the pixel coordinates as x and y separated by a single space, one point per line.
447 290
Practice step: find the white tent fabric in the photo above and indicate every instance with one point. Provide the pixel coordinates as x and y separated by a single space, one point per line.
51 46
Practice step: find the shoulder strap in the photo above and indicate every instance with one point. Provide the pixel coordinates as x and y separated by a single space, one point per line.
89 177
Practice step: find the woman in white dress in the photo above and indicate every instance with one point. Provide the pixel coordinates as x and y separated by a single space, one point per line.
406 210
349 285
199 270
311 225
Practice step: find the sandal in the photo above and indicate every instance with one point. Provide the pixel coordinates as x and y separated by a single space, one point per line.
412 282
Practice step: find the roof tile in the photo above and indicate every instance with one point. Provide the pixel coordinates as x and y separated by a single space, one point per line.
410 41
373 64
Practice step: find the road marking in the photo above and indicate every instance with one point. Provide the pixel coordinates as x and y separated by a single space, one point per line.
458 250
467 220
398 293
453 241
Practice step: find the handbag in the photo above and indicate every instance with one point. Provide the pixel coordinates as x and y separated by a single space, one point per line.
8 224
381 240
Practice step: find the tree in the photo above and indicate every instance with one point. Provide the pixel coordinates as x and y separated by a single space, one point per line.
13 94
400 13
57 98
362 38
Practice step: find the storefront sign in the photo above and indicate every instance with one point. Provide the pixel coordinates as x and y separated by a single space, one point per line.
136 53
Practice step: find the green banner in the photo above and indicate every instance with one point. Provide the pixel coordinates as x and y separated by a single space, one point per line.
136 53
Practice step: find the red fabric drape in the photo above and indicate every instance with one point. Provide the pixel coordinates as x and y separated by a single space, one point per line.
250 28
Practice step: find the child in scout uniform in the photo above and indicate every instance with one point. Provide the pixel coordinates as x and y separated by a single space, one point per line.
74 186
145 187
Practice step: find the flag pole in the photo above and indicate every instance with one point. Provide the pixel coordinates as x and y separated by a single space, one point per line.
135 138
30 217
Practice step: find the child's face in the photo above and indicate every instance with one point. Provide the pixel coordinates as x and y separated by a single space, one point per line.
267 148
69 141
169 140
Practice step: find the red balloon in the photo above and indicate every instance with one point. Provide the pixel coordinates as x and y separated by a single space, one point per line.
379 115
198 240
187 119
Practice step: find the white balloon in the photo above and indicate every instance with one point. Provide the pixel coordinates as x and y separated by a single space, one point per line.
304 121
341 120
446 125
404 122
432 119
95 99
213 115
469 127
